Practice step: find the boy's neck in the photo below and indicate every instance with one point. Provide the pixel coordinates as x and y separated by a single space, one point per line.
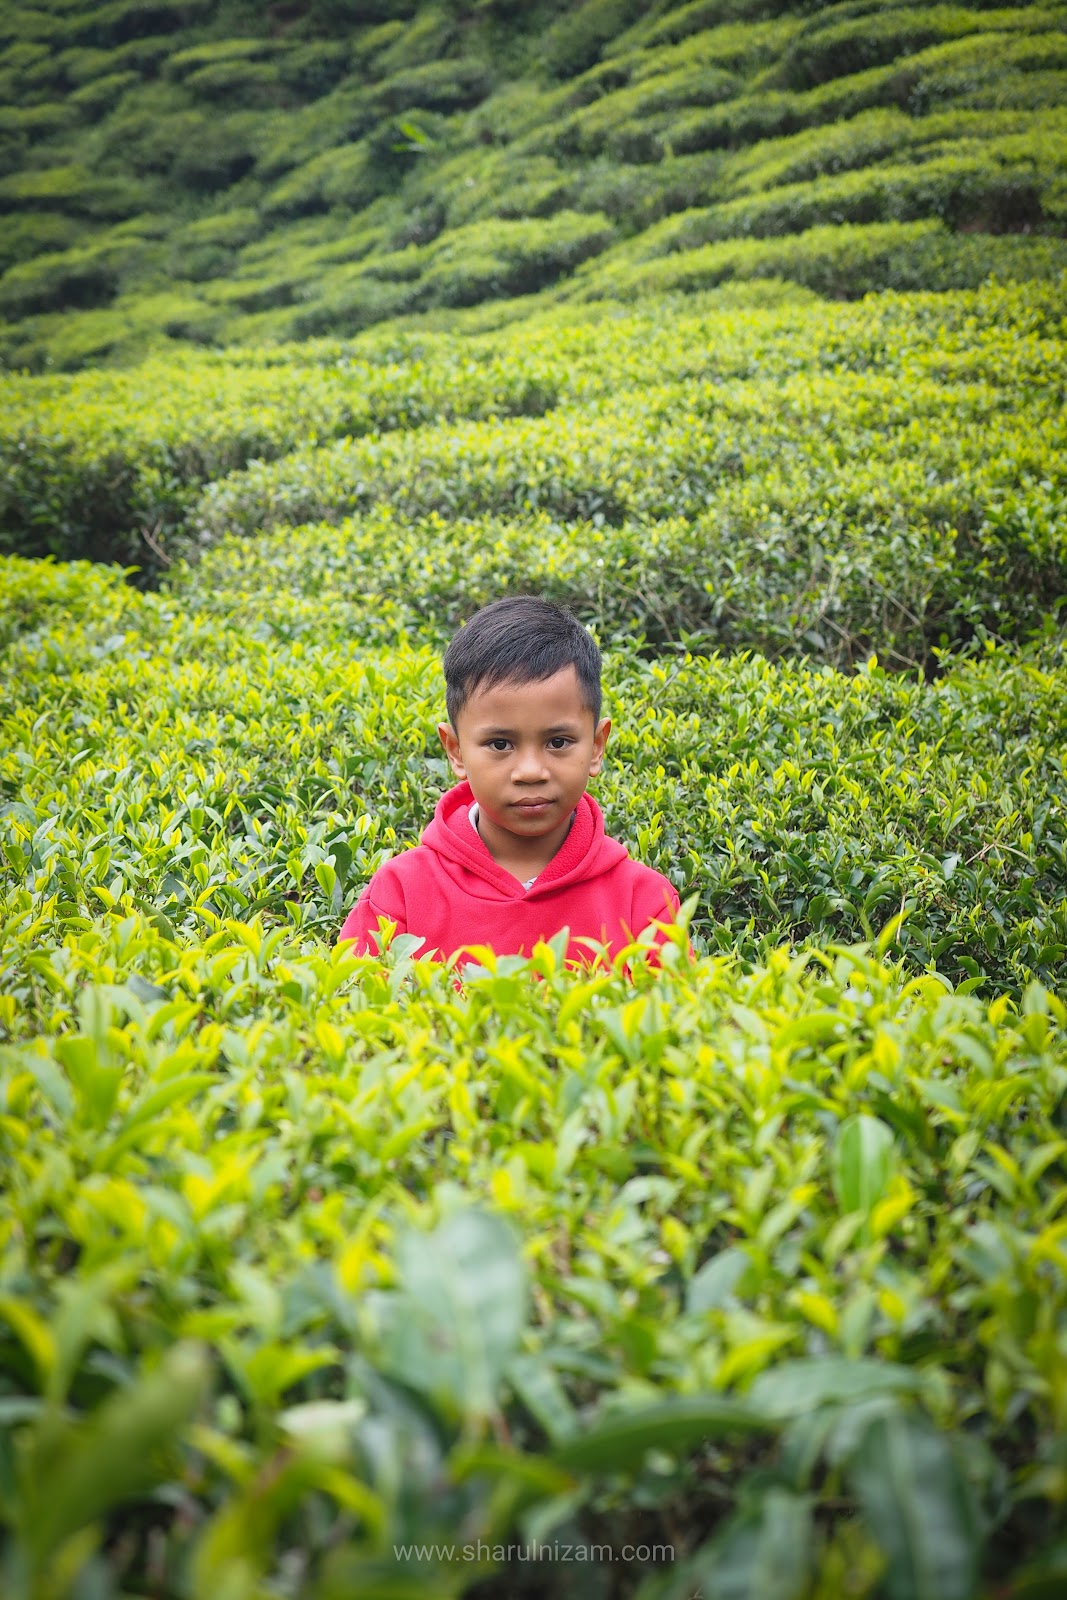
523 858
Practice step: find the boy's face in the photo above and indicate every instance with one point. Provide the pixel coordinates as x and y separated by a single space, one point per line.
528 750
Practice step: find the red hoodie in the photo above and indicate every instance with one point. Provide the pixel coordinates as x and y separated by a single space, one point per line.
449 890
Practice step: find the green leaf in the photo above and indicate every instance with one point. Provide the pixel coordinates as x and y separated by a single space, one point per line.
149 993
918 1506
1045 1578
53 1086
619 1441
795 1387
540 1390
83 1314
270 1369
324 1428
35 1336
456 1321
97 1083
114 1455
713 1286
862 1163
764 1553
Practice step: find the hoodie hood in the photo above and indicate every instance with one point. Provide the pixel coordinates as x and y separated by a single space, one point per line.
585 853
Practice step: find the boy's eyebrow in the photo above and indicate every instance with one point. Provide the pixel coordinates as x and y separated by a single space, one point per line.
507 733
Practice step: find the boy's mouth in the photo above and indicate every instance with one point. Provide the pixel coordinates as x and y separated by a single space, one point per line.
533 805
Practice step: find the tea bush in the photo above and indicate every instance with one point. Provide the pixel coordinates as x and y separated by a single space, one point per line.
841 260
833 49
86 275
865 140
92 462
39 232
311 1263
469 264
72 188
917 506
954 190
719 481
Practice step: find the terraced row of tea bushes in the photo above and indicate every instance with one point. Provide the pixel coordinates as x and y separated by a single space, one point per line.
803 581
478 262
510 257
108 464
209 181
836 39
992 83
885 135
807 503
991 73
643 107
192 756
322 1278
841 261
898 192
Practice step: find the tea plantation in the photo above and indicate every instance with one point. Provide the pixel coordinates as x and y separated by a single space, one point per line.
740 329
219 171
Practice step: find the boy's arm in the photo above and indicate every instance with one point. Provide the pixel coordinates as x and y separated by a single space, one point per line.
659 903
361 923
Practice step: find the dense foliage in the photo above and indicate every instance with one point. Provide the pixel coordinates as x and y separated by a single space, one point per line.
324 1277
213 170
710 1262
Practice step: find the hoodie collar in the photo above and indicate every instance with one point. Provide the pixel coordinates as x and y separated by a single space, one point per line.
474 811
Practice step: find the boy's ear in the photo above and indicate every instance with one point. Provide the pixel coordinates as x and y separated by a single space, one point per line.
448 738
600 739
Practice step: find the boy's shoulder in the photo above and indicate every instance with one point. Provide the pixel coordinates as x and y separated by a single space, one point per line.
648 880
644 881
412 857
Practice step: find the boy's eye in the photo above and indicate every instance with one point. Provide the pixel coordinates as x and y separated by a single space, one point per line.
558 741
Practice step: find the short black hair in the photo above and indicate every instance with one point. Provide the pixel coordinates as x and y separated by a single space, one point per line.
520 639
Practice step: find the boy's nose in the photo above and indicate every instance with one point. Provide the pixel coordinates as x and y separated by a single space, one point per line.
530 766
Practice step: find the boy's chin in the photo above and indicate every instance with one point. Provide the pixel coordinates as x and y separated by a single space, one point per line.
525 823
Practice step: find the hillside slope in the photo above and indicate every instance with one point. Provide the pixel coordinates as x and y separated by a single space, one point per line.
213 171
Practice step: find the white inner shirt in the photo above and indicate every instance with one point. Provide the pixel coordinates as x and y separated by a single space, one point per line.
473 812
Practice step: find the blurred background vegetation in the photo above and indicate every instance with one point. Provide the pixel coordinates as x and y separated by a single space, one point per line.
218 171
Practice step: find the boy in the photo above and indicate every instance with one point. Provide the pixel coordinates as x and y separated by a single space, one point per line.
517 850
